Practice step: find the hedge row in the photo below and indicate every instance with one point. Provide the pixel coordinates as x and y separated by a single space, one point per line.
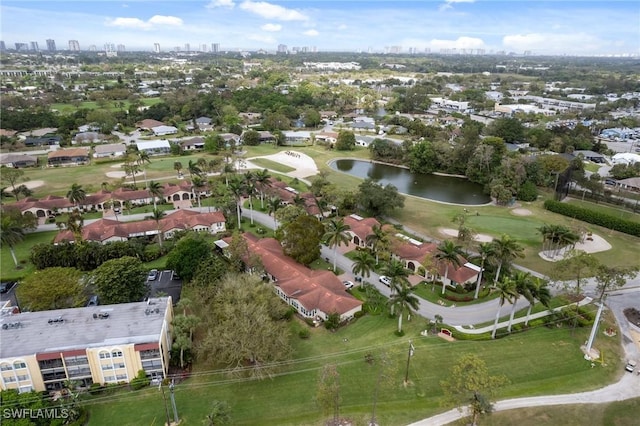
594 217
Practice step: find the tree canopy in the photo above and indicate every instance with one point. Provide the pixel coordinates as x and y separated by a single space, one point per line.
301 238
121 280
378 200
189 252
52 288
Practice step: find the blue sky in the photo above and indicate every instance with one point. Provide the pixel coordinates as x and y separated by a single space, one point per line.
542 27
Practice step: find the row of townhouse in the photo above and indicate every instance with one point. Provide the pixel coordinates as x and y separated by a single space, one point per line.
43 351
106 230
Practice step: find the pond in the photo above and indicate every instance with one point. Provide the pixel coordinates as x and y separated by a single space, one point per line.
446 189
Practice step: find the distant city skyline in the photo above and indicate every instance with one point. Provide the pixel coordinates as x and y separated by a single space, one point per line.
585 28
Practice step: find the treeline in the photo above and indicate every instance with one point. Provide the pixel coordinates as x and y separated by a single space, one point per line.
594 217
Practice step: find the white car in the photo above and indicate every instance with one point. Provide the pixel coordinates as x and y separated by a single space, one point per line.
385 280
348 284
153 275
631 365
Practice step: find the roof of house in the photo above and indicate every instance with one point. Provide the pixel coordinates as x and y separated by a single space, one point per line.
149 124
109 148
159 143
320 290
49 202
14 158
70 152
164 129
127 323
362 227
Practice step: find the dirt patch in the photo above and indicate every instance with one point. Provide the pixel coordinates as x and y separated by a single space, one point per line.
521 212
633 316
31 184
454 233
303 164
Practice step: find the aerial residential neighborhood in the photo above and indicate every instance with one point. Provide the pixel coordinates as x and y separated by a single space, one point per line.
408 232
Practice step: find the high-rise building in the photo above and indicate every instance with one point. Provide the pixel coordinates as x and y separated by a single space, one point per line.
92 48
51 45
34 46
156 47
215 47
109 47
121 48
282 48
187 47
22 47
3 46
74 46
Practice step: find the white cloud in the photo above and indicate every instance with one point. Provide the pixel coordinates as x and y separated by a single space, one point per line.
448 4
459 43
271 27
311 33
165 20
272 11
221 3
128 23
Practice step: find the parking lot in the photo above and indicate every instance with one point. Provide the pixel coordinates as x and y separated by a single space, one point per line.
165 284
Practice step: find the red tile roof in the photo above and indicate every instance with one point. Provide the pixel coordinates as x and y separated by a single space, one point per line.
361 227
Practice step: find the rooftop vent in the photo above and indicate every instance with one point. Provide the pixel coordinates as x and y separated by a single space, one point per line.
101 315
151 311
7 326
55 320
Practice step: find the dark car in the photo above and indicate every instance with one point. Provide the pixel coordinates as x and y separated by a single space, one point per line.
6 286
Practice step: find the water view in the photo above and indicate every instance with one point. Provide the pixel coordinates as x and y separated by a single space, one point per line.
446 189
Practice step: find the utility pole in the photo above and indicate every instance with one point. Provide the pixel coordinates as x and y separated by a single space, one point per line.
594 328
409 355
173 403
166 407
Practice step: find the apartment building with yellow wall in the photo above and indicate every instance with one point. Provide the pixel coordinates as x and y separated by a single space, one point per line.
97 344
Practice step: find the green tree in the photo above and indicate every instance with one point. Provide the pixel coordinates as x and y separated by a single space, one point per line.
76 194
346 141
328 391
244 328
301 238
577 266
609 278
336 235
13 226
189 252
273 205
157 215
121 280
363 264
510 130
237 188
485 250
505 250
450 254
378 240
506 290
12 176
52 288
378 200
522 285
219 414
398 275
177 166
262 178
539 291
405 299
251 138
469 383
156 191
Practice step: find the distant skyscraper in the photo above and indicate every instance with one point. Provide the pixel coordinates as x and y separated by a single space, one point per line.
177 49
3 46
282 48
187 47
74 46
121 48
51 45
34 46
22 47
156 47
92 48
109 47
215 47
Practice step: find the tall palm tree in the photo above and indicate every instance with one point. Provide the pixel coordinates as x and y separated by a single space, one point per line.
486 251
250 190
236 186
506 293
177 166
522 282
76 194
274 204
336 235
539 291
404 298
505 250
157 215
142 158
11 233
262 179
227 170
198 184
194 169
378 239
75 223
449 253
363 263
398 274
156 191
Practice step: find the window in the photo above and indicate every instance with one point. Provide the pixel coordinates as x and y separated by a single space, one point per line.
104 355
19 364
23 377
116 354
106 367
10 379
5 367
121 377
119 365
109 379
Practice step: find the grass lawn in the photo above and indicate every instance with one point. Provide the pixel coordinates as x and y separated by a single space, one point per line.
288 399
273 165
70 108
433 293
23 251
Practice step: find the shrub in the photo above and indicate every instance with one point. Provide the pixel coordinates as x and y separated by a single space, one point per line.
140 381
304 333
96 389
597 218
358 314
333 321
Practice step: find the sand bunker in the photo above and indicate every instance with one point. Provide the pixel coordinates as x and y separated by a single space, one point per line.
303 164
521 212
483 238
116 174
31 184
591 244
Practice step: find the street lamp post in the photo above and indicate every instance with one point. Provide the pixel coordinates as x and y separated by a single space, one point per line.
173 403
594 329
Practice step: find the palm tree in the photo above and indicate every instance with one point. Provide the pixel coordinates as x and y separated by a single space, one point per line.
156 191
143 157
250 189
22 190
157 215
11 233
404 299
505 250
522 282
486 251
131 169
363 263
197 184
236 186
378 239
76 194
177 166
262 179
194 169
539 291
398 275
336 235
506 292
226 171
75 223
451 254
274 204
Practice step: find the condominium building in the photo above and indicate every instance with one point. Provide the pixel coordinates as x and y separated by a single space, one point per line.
51 45
156 47
74 45
96 344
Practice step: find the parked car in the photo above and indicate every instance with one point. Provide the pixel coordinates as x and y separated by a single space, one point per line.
153 275
385 280
6 286
348 284
93 301
631 365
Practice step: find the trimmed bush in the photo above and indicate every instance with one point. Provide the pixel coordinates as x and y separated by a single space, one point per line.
594 217
304 333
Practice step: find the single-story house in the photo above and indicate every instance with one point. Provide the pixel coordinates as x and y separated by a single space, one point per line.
327 137
68 157
230 138
18 160
192 144
590 156
42 140
44 207
625 158
157 147
630 184
164 130
111 150
148 124
88 137
314 294
206 121
297 138
360 228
